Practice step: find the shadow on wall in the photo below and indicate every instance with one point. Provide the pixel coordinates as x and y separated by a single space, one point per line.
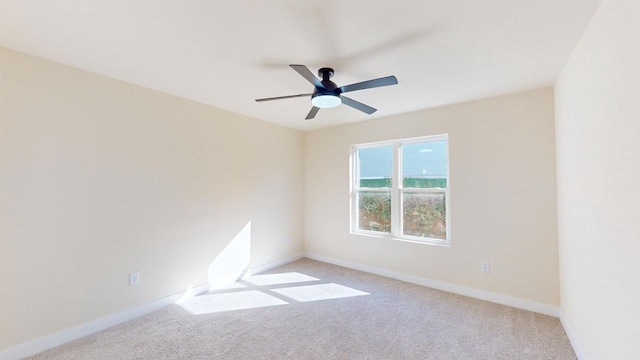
232 262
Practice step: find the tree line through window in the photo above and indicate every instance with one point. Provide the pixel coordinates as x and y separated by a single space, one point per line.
414 208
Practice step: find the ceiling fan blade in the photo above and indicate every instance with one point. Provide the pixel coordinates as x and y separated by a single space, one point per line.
358 105
385 81
312 113
283 97
306 73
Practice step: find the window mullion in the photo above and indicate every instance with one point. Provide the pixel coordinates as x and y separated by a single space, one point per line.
399 191
355 171
395 191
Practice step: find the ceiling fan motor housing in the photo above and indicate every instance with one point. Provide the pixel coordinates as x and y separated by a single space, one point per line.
330 88
325 73
329 96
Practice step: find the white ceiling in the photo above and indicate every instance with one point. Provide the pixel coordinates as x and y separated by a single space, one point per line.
228 53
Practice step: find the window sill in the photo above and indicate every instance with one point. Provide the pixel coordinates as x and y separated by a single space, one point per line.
378 235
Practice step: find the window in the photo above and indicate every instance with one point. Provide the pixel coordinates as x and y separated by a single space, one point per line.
413 208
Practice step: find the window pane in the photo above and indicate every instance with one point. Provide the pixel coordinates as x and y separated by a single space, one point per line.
375 211
424 165
424 215
375 167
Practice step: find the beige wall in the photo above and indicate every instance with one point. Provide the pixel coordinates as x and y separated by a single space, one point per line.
503 202
99 178
598 142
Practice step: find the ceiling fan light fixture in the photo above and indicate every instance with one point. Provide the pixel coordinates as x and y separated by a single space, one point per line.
326 101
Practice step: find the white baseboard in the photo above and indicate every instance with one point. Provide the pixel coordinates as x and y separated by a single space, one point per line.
572 338
56 339
272 265
502 299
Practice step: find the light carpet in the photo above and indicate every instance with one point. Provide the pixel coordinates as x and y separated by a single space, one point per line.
312 310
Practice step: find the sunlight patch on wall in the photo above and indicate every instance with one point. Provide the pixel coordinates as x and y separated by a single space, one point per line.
232 261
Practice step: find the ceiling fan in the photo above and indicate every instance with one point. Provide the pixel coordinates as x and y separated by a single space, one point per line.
327 94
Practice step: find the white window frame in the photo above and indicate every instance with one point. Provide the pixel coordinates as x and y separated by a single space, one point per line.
397 191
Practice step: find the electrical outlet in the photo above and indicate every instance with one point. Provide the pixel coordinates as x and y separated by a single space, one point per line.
134 279
484 266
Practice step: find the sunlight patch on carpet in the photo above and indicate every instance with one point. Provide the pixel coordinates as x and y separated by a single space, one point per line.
319 292
214 303
233 285
277 279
